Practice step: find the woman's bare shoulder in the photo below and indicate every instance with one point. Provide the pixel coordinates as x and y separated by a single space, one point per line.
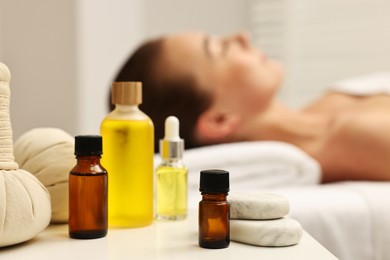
334 102
359 144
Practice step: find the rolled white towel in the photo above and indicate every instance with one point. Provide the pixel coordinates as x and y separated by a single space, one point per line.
253 165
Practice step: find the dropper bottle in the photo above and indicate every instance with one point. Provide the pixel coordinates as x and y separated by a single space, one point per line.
171 175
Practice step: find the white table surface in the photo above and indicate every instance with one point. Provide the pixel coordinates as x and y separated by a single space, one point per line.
161 240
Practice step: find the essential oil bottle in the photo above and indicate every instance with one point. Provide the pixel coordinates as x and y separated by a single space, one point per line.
128 142
214 225
88 190
171 175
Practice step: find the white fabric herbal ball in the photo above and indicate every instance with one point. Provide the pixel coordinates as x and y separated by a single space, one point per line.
48 153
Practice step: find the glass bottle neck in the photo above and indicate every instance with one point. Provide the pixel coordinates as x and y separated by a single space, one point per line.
126 108
170 161
88 158
88 165
214 196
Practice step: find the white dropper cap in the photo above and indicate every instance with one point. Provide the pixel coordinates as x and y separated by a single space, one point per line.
172 129
172 145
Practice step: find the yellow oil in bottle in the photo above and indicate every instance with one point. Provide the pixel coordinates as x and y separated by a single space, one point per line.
128 157
171 192
171 175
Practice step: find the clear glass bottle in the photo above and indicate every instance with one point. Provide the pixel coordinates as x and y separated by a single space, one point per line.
171 175
88 190
214 209
128 142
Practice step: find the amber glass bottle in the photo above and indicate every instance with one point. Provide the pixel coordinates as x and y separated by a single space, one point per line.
88 190
214 226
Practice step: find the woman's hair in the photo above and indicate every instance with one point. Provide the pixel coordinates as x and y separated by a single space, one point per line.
163 95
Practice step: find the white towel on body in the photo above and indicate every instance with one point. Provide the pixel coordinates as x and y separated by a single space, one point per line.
365 85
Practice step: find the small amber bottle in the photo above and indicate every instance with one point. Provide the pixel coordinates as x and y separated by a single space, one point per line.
88 190
214 210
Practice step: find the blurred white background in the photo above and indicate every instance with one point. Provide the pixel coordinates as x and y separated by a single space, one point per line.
63 54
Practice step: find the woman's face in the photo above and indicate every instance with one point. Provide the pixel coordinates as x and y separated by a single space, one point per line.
241 78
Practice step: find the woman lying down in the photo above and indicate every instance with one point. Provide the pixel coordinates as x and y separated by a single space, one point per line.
223 90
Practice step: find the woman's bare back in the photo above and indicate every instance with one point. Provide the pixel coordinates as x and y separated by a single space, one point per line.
357 143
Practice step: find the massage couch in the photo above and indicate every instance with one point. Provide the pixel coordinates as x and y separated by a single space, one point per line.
351 219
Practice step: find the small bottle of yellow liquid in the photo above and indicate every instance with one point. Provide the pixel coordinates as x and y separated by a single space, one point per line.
171 175
128 150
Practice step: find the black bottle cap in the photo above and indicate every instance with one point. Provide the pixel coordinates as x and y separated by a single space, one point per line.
88 145
214 181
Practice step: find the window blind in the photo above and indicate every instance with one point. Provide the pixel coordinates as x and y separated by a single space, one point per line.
320 42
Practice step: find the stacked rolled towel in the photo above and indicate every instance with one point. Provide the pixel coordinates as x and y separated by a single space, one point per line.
262 220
